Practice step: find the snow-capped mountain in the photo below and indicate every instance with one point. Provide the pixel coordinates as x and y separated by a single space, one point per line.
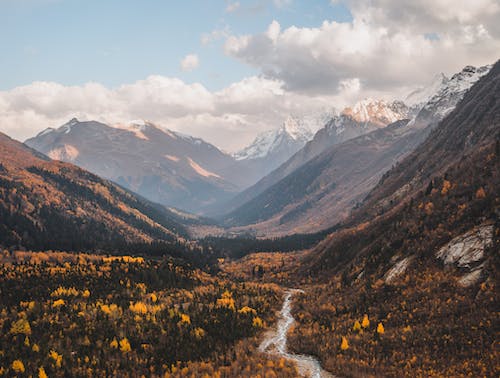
364 116
161 165
361 118
377 112
345 159
452 90
441 97
419 97
287 139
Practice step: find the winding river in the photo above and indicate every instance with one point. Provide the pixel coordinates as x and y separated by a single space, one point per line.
275 342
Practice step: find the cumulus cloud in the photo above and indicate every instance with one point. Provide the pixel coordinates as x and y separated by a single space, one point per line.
229 118
387 45
190 62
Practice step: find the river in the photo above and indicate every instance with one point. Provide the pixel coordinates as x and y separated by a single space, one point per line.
275 342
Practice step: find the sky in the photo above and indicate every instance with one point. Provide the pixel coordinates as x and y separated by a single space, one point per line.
226 70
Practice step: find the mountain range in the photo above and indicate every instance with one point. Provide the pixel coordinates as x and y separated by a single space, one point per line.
399 266
319 185
287 180
439 203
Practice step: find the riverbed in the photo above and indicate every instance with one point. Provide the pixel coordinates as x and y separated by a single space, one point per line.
275 342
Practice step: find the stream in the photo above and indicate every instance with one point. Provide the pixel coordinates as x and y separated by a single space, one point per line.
275 342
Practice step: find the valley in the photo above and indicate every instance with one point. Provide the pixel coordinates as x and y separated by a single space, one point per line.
362 242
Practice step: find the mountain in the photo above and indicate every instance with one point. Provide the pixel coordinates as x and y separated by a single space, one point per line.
444 188
360 119
284 141
46 204
419 257
448 93
421 95
161 165
306 194
273 147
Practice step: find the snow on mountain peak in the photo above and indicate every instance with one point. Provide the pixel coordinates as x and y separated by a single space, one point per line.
421 95
48 130
451 91
292 131
66 128
295 128
378 112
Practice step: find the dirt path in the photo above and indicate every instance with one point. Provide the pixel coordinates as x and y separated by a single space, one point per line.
275 342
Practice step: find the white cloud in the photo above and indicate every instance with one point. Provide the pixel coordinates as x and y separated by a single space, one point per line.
386 45
229 118
190 62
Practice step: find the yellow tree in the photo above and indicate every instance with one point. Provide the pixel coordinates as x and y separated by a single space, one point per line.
365 323
356 327
18 366
380 329
22 326
344 344
125 345
42 373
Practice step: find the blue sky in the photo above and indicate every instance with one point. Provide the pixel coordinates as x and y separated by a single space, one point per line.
120 41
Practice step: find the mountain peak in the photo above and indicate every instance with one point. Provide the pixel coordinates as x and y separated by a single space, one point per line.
290 136
378 112
295 128
450 92
421 95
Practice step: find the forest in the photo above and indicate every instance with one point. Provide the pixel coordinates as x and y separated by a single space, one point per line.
88 315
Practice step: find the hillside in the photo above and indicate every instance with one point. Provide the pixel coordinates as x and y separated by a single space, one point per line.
47 204
418 259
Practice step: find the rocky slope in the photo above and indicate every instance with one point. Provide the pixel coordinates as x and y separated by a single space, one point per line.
410 280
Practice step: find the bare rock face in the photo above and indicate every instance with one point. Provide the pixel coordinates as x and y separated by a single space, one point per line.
398 269
467 249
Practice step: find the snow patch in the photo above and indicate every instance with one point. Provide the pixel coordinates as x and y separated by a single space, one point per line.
468 248
441 97
421 95
201 171
378 112
294 129
66 128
